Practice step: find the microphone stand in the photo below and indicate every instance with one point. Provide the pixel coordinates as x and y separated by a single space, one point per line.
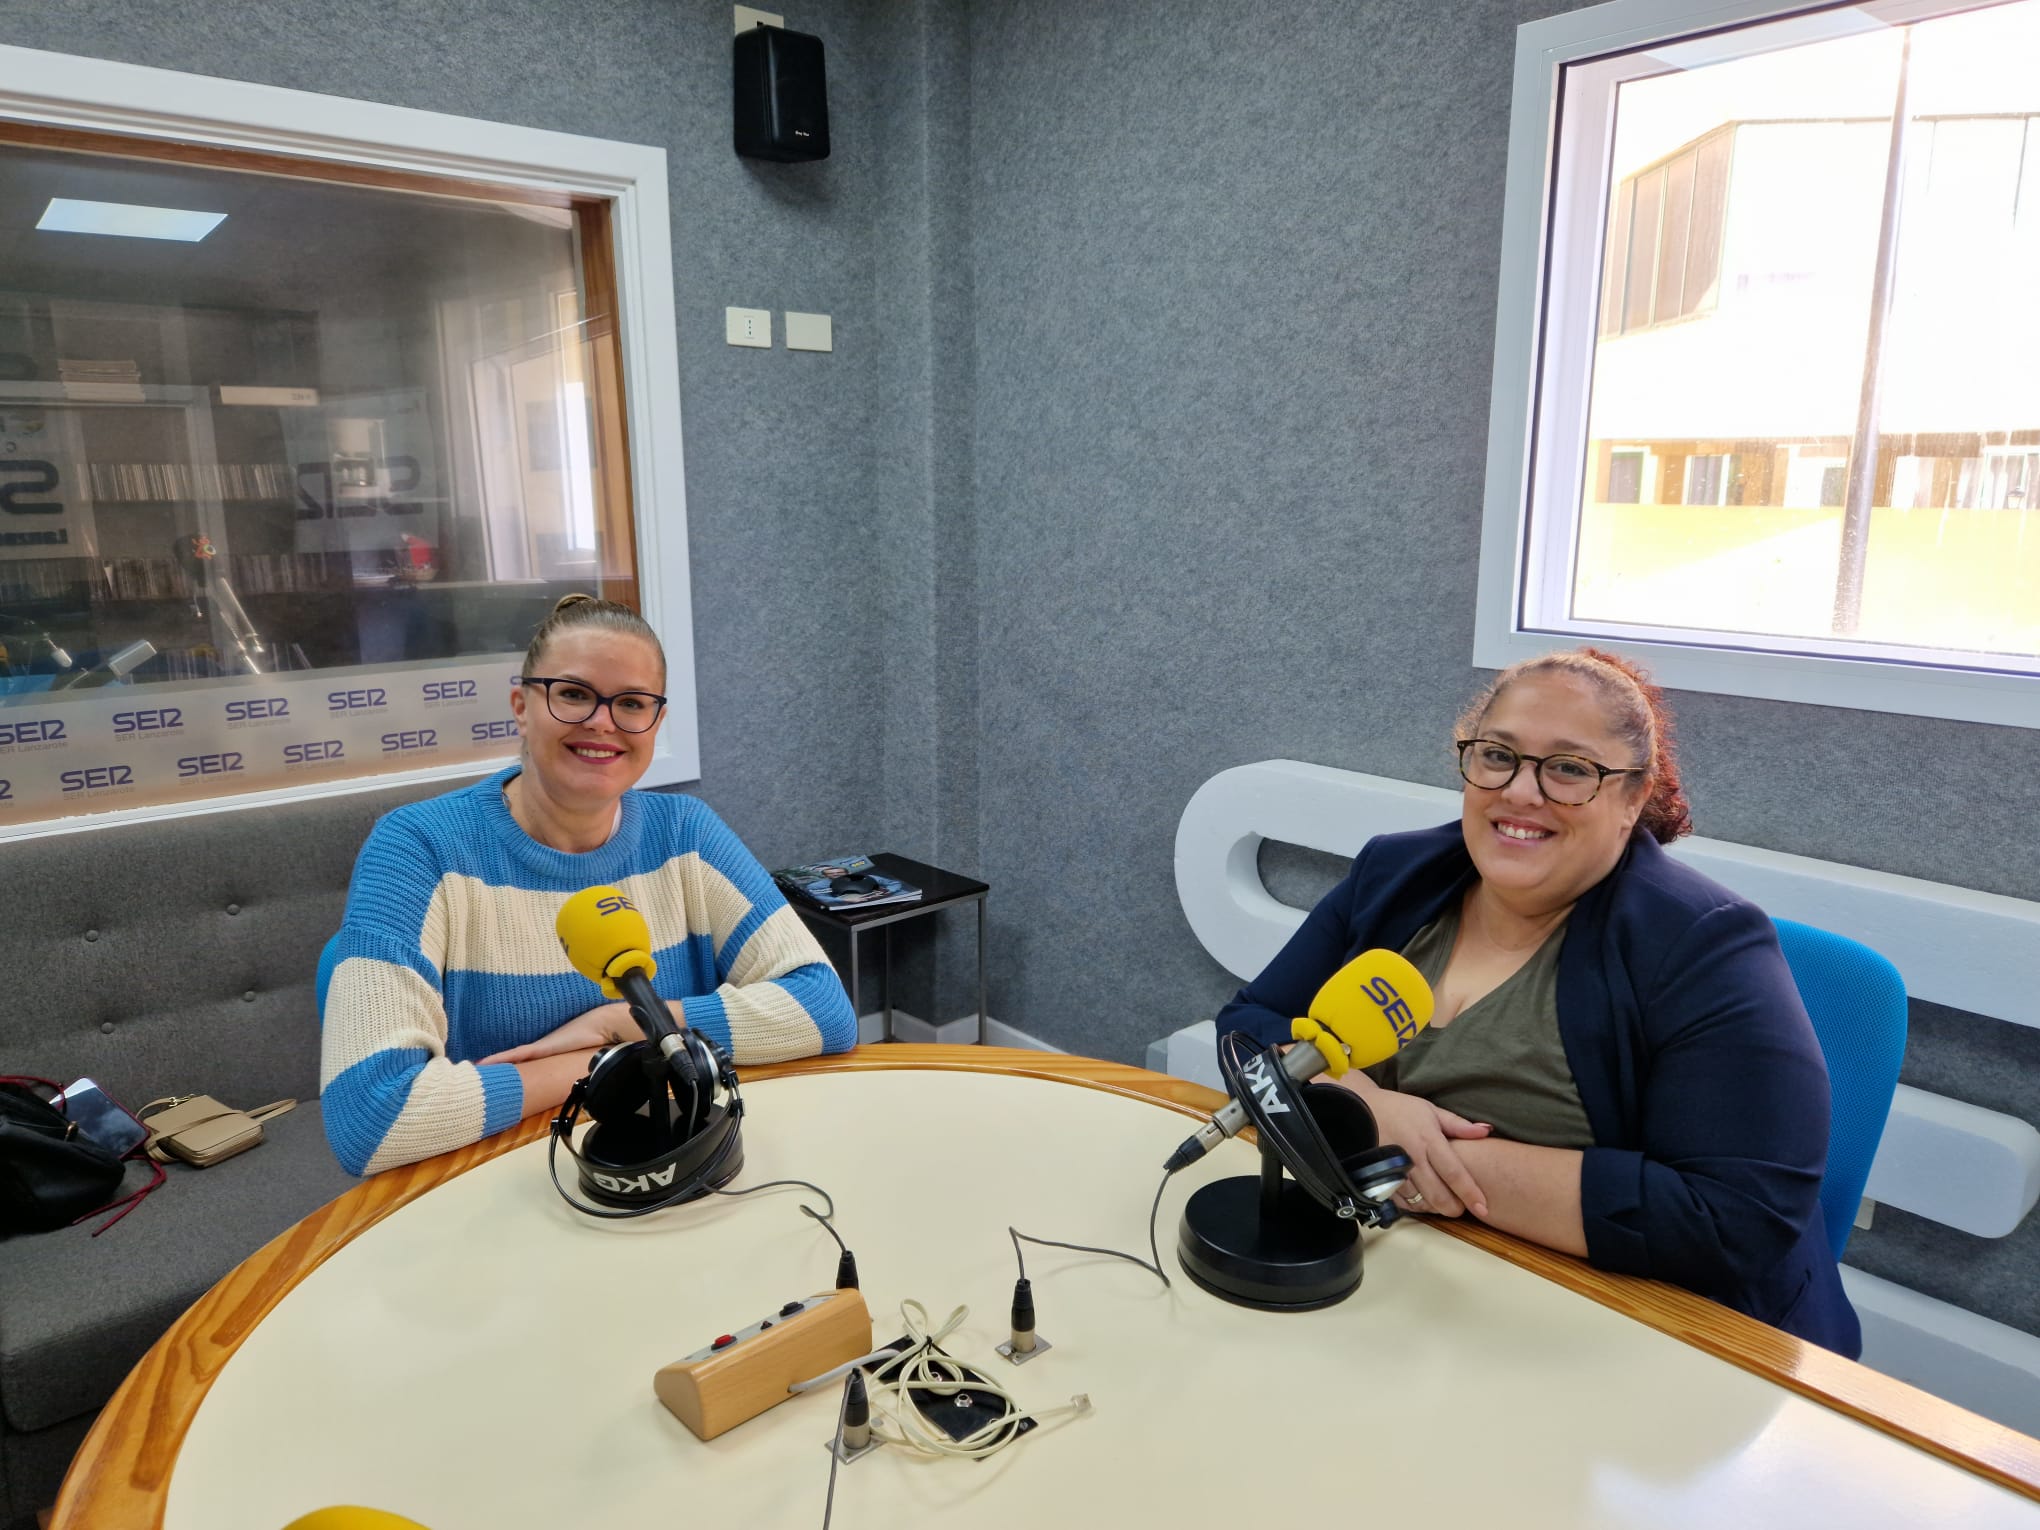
1263 1240
666 1058
211 588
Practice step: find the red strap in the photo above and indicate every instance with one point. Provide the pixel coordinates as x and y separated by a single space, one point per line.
126 1203
29 1080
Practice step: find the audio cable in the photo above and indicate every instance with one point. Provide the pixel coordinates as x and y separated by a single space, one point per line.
836 1446
919 1365
1025 1341
846 1264
897 1417
1153 1267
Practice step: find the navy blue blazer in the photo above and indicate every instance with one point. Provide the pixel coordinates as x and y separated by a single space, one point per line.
1698 1069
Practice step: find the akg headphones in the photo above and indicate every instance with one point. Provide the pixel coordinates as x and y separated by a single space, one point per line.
1326 1136
660 1136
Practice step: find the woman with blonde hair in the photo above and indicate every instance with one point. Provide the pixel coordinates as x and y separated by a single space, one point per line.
448 1010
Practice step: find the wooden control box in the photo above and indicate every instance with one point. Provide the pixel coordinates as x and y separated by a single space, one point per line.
741 1374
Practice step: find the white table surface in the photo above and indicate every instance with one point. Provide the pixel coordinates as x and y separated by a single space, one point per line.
484 1358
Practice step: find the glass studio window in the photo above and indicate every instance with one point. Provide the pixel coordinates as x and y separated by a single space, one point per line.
1785 393
289 470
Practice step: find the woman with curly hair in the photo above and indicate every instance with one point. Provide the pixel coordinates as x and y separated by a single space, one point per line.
1619 1065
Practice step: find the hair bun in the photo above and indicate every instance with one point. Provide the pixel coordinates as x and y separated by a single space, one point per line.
570 600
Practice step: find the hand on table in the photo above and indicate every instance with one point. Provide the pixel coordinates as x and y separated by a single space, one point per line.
605 1025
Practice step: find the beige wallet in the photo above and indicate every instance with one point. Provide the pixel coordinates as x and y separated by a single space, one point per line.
197 1129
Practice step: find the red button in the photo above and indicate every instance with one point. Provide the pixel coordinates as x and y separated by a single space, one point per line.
724 1341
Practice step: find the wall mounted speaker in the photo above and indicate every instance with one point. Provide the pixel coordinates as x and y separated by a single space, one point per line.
782 95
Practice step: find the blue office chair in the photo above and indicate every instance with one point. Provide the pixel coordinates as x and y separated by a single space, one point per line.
1856 1000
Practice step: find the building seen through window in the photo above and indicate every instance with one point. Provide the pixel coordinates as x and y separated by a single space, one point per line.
1785 437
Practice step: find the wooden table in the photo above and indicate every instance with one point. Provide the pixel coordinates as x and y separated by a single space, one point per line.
1529 1387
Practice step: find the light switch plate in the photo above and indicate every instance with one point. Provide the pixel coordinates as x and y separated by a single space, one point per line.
748 18
748 326
809 332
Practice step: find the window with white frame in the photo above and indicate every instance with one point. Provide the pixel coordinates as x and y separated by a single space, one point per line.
1767 403
309 410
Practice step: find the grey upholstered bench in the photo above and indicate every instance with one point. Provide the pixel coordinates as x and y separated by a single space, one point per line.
160 959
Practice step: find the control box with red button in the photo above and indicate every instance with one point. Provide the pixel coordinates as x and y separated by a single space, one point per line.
737 1376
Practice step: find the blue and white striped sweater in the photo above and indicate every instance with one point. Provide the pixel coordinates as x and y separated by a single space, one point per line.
447 954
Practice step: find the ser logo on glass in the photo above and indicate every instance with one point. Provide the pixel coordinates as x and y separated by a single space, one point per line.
483 733
364 699
15 496
149 720
260 709
6 791
409 739
209 764
98 778
449 690
43 730
314 753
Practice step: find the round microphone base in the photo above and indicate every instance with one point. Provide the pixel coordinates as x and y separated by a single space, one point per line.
1293 1256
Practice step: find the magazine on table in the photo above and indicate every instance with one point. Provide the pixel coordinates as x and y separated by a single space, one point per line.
843 885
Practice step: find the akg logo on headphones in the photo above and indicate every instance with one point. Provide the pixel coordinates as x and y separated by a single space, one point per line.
1262 1082
614 905
637 1184
1394 1009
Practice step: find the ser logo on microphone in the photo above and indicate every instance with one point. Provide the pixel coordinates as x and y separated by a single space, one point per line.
615 904
1262 1082
1395 1010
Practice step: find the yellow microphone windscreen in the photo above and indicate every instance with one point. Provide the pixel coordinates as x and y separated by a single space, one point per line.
352 1517
1375 1004
604 936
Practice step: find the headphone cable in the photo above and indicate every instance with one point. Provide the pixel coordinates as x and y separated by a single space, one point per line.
822 1217
836 1444
1154 1248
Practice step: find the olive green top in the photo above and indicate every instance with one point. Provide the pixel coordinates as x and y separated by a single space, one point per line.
1500 1059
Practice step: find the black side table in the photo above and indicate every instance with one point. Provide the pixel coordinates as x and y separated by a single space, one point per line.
939 889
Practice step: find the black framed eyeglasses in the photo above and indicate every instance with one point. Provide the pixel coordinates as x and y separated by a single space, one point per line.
1570 779
570 701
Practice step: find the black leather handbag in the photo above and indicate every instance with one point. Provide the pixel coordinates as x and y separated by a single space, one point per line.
51 1174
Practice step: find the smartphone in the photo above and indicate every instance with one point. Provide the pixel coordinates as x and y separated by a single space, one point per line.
100 1119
